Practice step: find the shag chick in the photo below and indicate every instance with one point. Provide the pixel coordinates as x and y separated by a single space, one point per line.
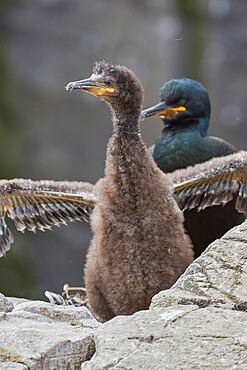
185 112
139 245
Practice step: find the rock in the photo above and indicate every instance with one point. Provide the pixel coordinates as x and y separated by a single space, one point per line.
5 304
218 276
200 323
12 366
181 337
17 301
37 335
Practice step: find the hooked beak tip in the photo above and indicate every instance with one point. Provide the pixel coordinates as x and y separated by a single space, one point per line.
145 113
142 116
70 86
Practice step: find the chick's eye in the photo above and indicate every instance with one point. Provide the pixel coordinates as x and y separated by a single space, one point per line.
108 82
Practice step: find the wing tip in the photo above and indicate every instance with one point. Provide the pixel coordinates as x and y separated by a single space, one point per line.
6 239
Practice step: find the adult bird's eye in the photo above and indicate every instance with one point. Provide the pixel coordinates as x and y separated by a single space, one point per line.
181 102
109 82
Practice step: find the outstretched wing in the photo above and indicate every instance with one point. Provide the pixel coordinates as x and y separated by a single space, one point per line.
216 187
40 205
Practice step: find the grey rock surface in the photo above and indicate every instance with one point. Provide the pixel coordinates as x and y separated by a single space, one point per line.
9 365
5 304
37 335
200 323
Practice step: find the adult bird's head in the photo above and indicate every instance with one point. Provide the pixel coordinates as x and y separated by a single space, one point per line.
182 101
117 85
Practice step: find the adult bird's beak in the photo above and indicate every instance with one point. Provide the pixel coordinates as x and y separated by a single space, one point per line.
162 109
93 85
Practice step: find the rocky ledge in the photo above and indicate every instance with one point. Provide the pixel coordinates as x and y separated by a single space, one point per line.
200 323
36 335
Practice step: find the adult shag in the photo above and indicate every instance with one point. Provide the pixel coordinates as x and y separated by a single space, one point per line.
185 112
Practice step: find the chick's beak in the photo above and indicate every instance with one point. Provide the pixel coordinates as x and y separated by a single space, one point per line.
92 85
162 109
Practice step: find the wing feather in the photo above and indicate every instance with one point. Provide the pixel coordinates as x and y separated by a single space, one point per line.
40 205
211 189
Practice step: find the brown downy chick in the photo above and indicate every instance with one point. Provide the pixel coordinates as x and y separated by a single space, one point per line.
139 245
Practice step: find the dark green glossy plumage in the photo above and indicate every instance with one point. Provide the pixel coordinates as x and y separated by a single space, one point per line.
187 147
184 142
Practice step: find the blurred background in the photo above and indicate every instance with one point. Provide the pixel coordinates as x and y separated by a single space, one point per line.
46 133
